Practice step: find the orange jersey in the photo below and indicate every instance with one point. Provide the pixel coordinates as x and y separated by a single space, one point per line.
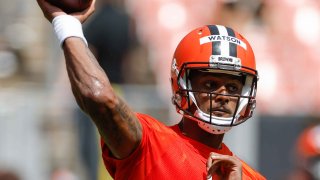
165 153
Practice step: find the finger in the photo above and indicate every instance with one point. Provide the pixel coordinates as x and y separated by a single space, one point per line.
211 158
41 4
92 7
215 156
211 164
215 168
83 15
50 11
216 162
93 4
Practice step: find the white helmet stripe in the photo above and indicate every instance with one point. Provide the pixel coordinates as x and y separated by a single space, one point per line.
224 46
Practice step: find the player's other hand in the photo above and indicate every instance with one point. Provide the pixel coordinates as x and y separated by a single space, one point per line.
50 11
224 167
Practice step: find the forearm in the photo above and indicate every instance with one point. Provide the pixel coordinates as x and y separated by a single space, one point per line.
116 123
87 78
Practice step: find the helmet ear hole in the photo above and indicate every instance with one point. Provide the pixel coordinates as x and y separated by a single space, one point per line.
252 106
176 99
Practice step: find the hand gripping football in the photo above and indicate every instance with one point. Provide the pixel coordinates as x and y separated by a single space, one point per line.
70 6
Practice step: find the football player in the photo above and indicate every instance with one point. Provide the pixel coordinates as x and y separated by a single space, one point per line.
214 80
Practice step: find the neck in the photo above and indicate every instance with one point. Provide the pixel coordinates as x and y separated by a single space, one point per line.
191 129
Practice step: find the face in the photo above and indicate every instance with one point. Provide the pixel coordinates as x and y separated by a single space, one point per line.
216 90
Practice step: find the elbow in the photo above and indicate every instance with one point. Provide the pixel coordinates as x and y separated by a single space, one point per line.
100 94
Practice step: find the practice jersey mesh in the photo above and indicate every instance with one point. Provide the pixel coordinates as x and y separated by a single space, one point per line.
165 153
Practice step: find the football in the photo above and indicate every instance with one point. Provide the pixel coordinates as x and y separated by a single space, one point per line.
71 6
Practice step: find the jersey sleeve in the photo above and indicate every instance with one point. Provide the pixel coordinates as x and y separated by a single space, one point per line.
115 166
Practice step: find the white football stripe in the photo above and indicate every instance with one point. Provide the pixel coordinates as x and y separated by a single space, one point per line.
224 44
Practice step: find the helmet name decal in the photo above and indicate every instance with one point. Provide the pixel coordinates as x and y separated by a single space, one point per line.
230 39
225 59
222 62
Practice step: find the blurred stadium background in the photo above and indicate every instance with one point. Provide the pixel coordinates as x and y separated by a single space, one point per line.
39 136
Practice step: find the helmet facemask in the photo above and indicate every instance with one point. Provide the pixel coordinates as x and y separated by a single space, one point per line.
203 106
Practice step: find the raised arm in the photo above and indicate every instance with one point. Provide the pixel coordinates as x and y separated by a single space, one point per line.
116 122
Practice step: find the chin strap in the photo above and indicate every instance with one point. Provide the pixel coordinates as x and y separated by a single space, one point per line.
210 128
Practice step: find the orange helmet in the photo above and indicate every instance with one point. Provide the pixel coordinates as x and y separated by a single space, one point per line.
308 150
214 49
308 144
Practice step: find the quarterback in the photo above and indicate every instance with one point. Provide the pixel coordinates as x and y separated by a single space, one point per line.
213 82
